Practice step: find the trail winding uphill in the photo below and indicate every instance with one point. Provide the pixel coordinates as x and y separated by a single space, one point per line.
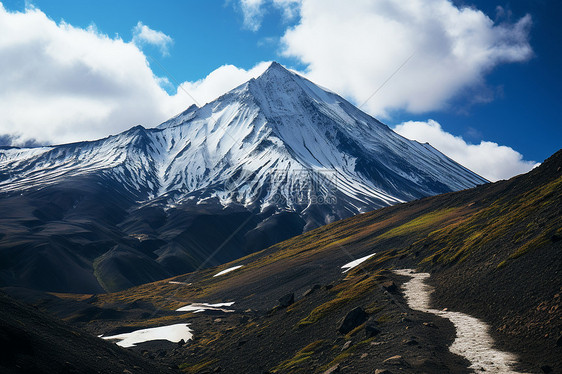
472 341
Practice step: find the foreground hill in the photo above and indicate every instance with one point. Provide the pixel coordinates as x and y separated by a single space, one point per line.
494 252
33 342
272 158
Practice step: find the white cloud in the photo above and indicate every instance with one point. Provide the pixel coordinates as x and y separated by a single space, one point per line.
354 46
290 8
220 81
254 11
490 160
143 34
62 83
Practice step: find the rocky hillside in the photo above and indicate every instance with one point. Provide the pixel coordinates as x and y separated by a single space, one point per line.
494 252
33 342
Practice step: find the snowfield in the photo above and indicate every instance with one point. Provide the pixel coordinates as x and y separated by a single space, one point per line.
173 333
350 265
226 271
201 307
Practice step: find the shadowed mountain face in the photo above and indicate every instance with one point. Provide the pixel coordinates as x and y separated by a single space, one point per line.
273 158
493 252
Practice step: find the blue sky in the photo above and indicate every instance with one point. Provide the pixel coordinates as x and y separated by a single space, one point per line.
511 97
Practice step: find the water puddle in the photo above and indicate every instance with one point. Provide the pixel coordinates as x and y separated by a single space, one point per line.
472 341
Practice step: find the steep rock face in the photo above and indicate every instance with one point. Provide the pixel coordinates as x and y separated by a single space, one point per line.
268 160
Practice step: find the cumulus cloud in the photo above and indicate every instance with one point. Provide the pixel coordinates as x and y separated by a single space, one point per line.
354 47
415 55
62 83
143 34
490 160
220 81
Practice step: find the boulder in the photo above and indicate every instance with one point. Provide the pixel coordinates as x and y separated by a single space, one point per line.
287 300
353 318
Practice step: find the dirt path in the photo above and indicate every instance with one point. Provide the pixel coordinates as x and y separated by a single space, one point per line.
472 340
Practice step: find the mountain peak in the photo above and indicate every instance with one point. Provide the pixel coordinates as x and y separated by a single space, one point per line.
279 121
276 70
277 66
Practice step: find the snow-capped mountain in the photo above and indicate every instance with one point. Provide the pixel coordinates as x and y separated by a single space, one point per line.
275 140
268 160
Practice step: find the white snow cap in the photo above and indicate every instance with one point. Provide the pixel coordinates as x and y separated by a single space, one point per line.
278 139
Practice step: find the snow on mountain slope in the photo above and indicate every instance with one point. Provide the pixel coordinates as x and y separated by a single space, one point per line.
277 140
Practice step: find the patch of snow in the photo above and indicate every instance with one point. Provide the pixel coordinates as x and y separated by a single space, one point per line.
352 264
227 270
176 282
173 333
472 341
200 307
